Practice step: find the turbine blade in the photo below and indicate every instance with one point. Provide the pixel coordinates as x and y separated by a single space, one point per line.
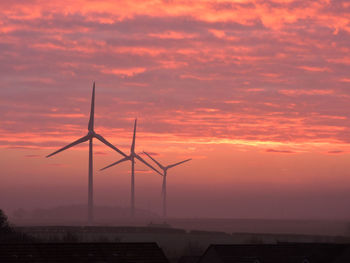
120 161
150 166
82 139
154 160
92 110
134 137
175 164
103 140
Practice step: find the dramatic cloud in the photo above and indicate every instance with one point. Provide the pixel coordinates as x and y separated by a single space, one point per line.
177 65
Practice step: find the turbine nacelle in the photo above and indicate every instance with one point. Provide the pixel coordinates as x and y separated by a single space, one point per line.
165 168
91 133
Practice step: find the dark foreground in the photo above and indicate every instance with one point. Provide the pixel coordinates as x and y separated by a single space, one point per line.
175 243
152 253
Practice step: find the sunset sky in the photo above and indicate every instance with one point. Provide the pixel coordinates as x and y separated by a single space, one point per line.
256 92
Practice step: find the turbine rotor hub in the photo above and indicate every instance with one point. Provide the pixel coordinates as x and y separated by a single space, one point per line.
91 133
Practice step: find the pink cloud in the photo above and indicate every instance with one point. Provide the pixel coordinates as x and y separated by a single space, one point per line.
314 69
279 151
336 152
100 153
32 156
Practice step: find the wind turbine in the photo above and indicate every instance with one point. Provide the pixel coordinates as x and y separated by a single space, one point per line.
131 158
89 137
165 171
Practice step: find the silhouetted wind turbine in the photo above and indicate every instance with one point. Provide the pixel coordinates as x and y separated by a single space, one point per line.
165 171
90 135
131 158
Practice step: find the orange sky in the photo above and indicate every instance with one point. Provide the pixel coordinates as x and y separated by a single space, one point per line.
256 92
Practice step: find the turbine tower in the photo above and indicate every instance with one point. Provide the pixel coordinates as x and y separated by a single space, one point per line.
165 171
131 158
89 137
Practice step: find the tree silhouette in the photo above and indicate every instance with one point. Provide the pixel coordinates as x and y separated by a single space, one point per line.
4 224
8 233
